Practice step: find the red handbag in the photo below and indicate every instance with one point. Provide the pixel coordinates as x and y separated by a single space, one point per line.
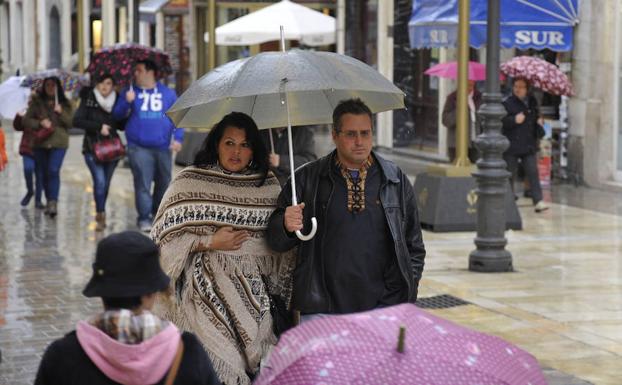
42 134
108 148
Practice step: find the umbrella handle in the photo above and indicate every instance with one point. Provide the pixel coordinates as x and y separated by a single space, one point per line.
309 236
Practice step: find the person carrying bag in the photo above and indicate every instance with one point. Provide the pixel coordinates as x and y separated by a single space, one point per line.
102 146
49 117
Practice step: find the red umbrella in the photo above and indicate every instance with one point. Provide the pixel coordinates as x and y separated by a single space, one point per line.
539 73
363 348
119 59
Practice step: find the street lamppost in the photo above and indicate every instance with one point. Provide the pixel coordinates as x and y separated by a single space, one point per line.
492 175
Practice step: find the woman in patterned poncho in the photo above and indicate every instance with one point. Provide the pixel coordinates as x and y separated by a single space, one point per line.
211 231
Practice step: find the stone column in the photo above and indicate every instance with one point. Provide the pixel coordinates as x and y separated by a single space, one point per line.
5 42
109 23
16 35
159 30
29 34
384 133
65 31
43 34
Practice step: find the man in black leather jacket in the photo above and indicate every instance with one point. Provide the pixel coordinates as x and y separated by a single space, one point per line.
368 251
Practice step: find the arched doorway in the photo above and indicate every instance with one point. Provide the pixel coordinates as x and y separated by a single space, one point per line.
54 53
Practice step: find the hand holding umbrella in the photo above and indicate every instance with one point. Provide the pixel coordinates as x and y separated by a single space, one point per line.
291 158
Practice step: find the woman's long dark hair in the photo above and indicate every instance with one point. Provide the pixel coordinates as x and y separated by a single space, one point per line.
62 99
209 150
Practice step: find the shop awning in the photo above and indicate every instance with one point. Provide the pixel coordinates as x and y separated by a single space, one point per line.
151 6
525 24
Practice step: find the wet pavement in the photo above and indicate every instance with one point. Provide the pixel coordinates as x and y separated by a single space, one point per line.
547 306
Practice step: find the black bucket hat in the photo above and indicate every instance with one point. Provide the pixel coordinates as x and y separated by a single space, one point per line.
126 265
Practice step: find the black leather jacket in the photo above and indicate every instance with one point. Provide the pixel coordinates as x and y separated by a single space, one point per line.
313 182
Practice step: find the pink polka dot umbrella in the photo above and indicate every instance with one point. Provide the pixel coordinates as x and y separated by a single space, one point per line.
539 73
364 348
119 59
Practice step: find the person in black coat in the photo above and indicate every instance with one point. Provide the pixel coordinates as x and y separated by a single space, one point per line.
303 143
95 118
522 125
450 120
126 344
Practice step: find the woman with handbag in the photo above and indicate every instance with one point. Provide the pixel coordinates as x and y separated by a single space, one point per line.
49 117
30 166
211 230
100 134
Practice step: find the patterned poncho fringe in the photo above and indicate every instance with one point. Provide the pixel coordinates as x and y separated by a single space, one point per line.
208 289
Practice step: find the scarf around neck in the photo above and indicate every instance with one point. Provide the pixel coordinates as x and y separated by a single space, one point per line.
355 183
106 103
126 327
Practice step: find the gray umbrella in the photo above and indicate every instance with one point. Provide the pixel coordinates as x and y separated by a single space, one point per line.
281 89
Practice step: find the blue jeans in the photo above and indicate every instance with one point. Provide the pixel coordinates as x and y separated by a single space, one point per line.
149 165
32 174
50 161
102 174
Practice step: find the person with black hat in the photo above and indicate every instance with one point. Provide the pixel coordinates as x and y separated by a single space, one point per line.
126 344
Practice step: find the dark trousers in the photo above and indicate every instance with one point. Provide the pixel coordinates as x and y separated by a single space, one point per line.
530 166
50 160
34 184
102 175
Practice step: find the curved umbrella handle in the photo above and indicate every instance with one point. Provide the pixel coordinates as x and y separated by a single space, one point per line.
307 237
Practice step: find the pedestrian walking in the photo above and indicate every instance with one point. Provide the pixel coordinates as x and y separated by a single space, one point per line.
149 132
126 343
303 143
211 232
34 184
368 251
449 117
49 117
94 116
522 125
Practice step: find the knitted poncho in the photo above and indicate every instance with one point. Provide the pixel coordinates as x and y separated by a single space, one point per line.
222 296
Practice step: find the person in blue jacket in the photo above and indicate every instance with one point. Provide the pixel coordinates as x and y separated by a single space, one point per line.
151 138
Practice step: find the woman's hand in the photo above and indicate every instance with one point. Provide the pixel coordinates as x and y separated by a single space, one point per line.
58 109
46 123
520 118
105 131
228 239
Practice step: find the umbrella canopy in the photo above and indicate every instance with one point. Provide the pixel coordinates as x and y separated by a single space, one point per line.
14 97
119 59
363 349
449 70
539 73
300 23
314 83
71 81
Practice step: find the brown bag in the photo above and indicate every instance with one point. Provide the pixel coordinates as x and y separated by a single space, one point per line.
172 373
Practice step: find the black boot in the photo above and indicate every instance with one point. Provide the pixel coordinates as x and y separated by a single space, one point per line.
51 209
26 199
